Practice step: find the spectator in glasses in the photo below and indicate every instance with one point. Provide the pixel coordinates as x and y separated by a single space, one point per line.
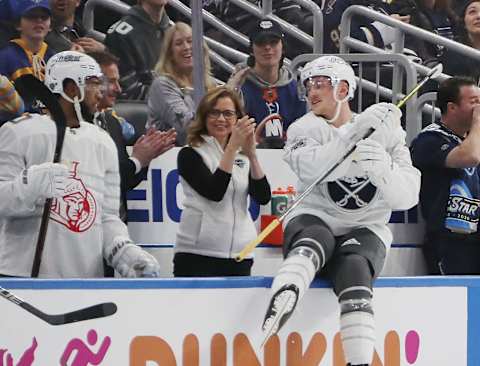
133 168
218 170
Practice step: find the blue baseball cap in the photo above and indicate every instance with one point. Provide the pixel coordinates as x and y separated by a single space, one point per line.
5 10
21 7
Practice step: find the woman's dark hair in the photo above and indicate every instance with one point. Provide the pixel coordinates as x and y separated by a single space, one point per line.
463 36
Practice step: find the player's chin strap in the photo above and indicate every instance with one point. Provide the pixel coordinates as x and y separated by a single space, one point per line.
339 104
76 103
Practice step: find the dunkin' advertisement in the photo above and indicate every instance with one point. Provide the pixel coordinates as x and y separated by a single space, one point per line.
217 322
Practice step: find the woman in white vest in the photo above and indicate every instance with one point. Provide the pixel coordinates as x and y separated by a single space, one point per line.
218 170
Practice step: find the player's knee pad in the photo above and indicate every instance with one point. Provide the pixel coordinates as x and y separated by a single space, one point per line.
309 236
352 281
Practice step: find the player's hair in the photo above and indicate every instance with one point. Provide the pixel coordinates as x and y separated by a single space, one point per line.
166 65
199 126
449 91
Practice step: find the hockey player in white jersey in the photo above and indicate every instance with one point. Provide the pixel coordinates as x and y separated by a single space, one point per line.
84 222
341 230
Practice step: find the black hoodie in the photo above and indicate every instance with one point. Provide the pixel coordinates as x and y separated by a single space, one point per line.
136 40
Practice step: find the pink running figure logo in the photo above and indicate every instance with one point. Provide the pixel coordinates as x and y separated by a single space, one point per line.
77 209
84 356
26 360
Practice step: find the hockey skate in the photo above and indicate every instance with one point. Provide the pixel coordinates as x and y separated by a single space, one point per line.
279 310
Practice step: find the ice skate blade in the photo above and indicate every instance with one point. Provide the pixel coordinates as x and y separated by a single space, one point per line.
280 309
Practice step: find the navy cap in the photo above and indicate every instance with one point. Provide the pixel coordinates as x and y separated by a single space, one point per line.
265 29
21 7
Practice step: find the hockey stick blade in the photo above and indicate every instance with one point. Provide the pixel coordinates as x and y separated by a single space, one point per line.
92 312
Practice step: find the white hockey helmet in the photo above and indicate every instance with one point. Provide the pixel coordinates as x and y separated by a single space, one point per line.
72 65
333 67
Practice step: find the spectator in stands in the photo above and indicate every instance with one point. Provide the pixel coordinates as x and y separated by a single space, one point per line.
268 87
218 170
11 104
170 100
438 17
133 168
28 53
455 63
448 155
136 40
67 33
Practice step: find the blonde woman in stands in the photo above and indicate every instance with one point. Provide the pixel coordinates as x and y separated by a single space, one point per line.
170 101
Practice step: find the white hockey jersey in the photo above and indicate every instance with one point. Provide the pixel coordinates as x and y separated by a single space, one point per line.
346 199
83 223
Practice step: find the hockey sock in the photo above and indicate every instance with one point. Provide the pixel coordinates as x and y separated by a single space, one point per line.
357 330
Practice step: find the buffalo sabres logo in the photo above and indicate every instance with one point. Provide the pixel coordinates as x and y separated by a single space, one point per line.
351 193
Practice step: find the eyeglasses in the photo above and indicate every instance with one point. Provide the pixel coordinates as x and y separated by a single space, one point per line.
227 114
317 84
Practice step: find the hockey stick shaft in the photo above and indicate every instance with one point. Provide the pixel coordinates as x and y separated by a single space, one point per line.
30 88
91 312
265 232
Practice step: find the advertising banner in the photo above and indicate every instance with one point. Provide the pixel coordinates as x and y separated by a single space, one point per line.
217 323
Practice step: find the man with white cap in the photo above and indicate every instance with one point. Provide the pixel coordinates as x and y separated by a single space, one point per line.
341 229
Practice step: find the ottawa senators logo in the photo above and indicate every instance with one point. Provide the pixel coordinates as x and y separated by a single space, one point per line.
77 209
